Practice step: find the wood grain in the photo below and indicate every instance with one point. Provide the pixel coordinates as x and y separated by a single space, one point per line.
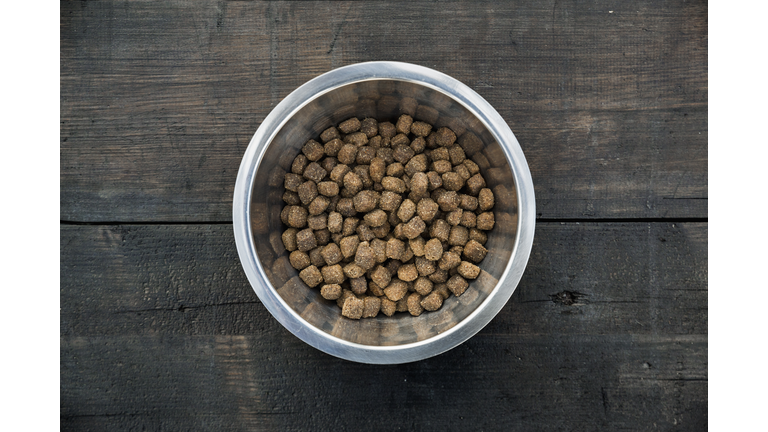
160 99
160 329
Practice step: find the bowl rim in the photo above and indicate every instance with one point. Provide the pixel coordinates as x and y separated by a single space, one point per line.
477 106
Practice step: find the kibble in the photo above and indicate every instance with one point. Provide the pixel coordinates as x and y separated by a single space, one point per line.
389 217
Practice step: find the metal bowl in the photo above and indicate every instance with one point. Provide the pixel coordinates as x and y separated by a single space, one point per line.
382 90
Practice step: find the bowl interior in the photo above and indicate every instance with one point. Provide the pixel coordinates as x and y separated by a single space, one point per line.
382 100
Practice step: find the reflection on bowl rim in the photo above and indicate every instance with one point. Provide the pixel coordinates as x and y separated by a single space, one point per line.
472 102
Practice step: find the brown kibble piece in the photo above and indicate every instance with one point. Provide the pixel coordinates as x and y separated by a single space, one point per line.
381 276
317 222
468 202
371 307
353 270
420 128
475 184
376 218
457 155
293 181
417 246
295 216
338 172
414 304
485 221
435 180
333 274
440 230
432 302
452 181
402 153
332 254
311 276
474 251
485 199
357 139
358 285
395 249
353 183
402 304
459 236
414 228
390 201
387 130
365 155
387 307
424 266
366 200
478 236
299 164
393 184
332 147
305 240
379 249
289 239
454 218
299 260
448 261
347 154
319 205
346 207
406 210
377 169
350 226
404 123
329 134
395 169
462 171
335 221
350 125
396 290
291 198
445 137
328 188
419 183
422 285
418 145
315 172
370 127
468 219
364 257
407 272
448 201
439 276
364 232
331 291
457 285
442 290
313 150
433 250
468 270
348 246
382 230
417 164
441 166
353 308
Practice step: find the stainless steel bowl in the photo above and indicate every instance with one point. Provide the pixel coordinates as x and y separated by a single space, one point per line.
382 90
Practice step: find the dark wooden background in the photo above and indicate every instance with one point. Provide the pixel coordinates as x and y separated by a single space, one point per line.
160 329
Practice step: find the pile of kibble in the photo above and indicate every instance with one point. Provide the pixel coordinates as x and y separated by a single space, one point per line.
387 217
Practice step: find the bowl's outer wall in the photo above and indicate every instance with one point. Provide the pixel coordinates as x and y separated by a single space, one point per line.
384 91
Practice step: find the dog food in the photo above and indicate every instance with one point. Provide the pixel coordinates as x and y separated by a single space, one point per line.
387 218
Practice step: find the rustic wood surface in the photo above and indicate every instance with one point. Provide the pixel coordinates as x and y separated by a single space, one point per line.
160 329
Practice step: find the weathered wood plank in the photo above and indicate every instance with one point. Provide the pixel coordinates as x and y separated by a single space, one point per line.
639 278
159 99
510 383
160 330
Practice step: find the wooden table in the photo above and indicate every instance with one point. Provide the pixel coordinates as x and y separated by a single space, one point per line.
607 330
